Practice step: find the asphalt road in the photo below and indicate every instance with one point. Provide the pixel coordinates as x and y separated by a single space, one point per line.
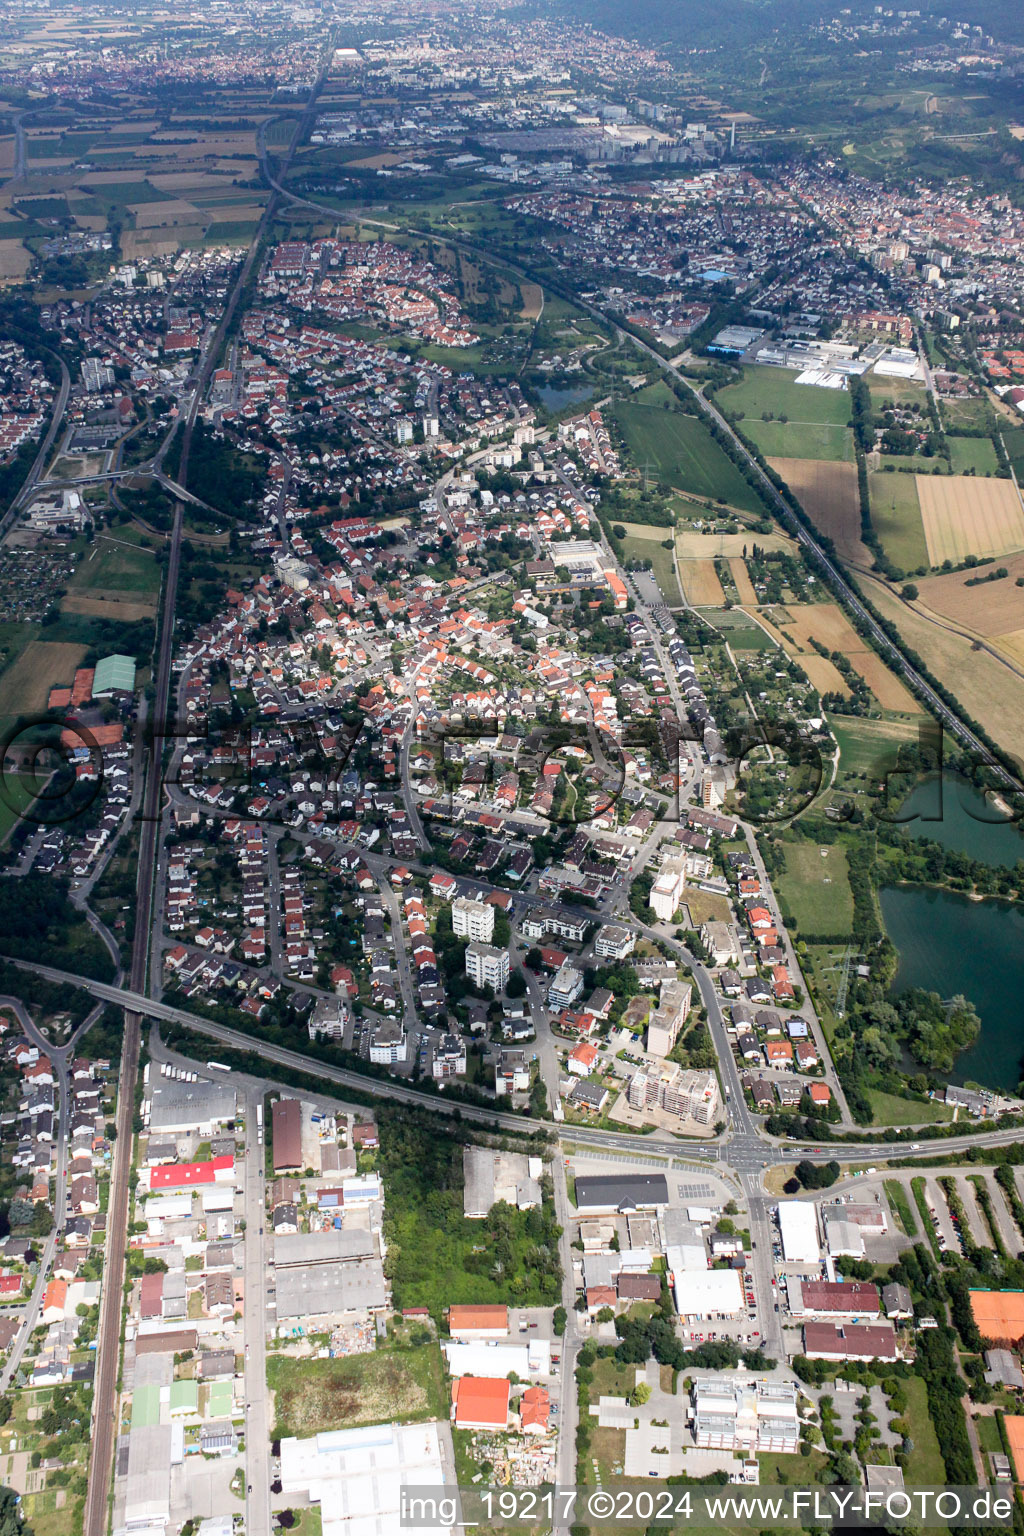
59 1056
645 1147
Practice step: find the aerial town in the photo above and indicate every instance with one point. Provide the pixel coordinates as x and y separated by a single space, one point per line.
512 681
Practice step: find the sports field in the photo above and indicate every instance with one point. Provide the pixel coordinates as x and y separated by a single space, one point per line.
17 792
800 439
965 516
116 565
828 494
679 450
896 518
116 580
815 888
972 453
899 391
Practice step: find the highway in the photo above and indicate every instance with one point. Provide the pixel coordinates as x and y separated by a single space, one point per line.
663 1148
34 475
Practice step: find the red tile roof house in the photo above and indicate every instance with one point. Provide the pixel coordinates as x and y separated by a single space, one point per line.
820 1093
599 1296
582 1060
778 1052
782 987
535 1411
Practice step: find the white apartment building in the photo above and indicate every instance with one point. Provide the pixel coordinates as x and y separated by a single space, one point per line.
667 890
614 942
472 920
690 1094
388 1043
565 987
487 966
665 1023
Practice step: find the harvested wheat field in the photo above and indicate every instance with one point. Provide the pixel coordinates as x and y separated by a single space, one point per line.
964 515
828 624
701 586
985 686
157 215
744 585
42 665
827 491
1012 645
644 531
825 675
988 608
705 546
15 261
110 605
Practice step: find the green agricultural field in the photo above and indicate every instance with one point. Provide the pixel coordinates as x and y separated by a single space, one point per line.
800 439
661 561
776 390
973 453
679 449
816 890
896 519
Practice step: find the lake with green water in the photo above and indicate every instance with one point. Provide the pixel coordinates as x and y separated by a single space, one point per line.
951 811
949 944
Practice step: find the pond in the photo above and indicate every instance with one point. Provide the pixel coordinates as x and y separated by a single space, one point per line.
949 944
555 397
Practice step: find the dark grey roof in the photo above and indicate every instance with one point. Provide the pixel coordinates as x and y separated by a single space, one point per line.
617 1192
